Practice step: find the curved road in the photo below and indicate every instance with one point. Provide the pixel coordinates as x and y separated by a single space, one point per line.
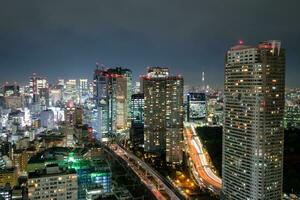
199 160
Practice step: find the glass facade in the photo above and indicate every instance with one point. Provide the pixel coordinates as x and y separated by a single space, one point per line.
112 93
196 108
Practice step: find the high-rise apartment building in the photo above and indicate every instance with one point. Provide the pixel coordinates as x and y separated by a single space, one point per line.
112 93
163 113
253 127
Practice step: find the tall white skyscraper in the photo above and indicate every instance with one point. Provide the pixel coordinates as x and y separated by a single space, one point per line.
253 129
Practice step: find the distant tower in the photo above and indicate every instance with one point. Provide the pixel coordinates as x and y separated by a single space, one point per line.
203 81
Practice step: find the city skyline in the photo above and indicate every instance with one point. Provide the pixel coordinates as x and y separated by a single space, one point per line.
66 40
156 100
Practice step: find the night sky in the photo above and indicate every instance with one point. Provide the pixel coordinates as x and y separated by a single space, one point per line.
64 39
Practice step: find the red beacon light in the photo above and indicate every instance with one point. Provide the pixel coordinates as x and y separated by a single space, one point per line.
241 42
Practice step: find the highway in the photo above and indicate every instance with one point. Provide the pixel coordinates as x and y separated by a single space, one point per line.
137 164
150 185
203 169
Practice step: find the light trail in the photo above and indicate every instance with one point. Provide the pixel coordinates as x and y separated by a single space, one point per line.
200 163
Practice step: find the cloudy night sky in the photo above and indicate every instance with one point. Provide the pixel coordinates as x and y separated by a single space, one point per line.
65 38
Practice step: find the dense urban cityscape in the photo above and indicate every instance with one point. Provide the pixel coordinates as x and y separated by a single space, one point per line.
117 133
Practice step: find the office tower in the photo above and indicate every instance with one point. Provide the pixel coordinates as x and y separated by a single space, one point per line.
70 91
196 106
112 93
55 96
253 128
35 84
137 123
83 90
52 183
163 113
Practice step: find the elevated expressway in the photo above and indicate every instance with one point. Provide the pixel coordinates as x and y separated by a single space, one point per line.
202 170
161 187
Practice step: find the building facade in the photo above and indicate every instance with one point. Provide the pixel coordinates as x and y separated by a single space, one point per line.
138 108
53 183
253 128
137 123
163 114
8 176
35 85
112 93
196 106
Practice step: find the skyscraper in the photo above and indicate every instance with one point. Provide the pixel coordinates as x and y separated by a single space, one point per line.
253 128
112 93
163 114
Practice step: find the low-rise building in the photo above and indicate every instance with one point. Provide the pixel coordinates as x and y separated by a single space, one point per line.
52 183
